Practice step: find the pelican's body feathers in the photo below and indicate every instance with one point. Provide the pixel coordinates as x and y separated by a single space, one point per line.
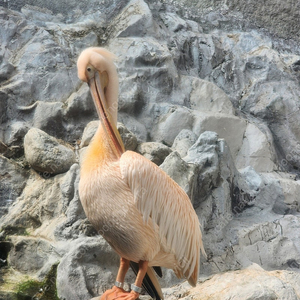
140 210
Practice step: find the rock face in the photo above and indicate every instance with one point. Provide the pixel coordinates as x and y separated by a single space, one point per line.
13 180
209 91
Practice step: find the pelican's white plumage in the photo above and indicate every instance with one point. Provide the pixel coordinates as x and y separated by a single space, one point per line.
143 214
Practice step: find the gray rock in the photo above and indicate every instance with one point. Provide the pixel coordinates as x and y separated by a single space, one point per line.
52 79
53 62
256 151
80 104
134 126
75 224
215 14
183 141
173 22
221 193
253 179
260 284
69 184
87 270
38 207
130 98
13 180
282 22
228 127
204 154
216 73
270 192
205 143
45 154
156 152
48 117
38 252
65 8
3 147
88 133
134 20
288 189
15 133
280 208
269 237
139 86
206 96
183 173
171 124
128 138
218 14
276 103
210 162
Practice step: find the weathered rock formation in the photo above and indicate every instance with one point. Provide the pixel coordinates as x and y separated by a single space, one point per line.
209 91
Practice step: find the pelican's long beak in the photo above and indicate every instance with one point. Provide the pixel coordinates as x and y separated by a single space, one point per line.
97 86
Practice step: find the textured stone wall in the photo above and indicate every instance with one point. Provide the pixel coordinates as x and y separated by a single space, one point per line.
209 91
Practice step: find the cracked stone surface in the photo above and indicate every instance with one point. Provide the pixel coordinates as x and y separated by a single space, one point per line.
209 91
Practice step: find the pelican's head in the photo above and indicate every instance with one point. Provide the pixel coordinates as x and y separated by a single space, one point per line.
96 67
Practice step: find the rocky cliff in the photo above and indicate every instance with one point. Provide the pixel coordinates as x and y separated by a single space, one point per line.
209 91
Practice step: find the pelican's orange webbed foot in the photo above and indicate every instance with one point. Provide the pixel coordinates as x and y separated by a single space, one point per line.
118 294
113 293
126 296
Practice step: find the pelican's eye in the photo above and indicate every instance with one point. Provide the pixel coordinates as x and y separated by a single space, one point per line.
89 69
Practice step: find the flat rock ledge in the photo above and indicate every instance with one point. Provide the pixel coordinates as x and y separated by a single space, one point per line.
249 284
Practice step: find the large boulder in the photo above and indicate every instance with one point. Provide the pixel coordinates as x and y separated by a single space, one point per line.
46 154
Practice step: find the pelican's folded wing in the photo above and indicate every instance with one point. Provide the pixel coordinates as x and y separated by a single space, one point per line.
160 198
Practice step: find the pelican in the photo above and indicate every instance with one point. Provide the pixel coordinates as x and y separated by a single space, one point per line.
141 212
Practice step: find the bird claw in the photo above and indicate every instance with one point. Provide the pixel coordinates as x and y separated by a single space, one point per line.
119 294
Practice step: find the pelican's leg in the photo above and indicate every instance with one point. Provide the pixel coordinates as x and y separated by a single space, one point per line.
124 266
143 266
113 293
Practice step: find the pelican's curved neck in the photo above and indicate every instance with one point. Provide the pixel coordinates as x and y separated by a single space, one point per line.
98 153
102 144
